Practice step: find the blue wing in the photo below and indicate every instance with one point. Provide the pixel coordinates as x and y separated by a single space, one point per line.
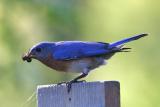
77 49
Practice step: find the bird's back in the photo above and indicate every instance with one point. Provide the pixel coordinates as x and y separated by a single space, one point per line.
69 50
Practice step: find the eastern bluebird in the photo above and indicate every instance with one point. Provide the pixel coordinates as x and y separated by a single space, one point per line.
76 56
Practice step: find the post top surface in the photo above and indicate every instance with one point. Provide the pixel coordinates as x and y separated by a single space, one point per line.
81 83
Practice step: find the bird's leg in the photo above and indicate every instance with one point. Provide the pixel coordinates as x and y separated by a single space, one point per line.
74 80
79 77
69 84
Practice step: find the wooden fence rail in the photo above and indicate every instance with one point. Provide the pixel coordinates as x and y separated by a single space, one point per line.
86 94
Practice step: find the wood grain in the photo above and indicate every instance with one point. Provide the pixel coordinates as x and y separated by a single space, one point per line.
87 94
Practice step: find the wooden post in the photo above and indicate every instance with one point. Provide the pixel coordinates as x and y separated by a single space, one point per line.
86 94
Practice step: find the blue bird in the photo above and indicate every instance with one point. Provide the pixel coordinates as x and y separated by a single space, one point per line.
76 56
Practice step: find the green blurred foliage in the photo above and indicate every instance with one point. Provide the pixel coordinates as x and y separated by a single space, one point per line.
24 23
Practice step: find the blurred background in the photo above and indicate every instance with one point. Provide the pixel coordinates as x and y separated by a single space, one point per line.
24 23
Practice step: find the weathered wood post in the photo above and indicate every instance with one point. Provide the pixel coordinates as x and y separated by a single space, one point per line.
86 94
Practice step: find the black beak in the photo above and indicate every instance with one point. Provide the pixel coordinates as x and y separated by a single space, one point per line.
27 57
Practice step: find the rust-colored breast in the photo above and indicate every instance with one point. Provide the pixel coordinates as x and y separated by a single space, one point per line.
73 65
56 64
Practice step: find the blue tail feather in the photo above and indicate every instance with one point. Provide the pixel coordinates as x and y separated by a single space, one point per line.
121 42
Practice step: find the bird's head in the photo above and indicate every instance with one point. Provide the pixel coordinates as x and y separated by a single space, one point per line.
39 51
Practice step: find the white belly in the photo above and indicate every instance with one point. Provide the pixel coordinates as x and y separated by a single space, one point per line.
81 65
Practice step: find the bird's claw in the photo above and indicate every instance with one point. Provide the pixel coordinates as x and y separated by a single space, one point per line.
61 83
69 84
81 81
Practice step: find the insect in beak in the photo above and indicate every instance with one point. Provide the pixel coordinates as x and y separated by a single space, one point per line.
27 57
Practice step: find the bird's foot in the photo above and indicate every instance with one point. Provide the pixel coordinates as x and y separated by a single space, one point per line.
63 82
80 81
69 84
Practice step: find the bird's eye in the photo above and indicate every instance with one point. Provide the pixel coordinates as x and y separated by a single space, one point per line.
38 49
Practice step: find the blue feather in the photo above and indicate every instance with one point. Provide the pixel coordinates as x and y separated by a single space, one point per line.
77 49
67 50
121 42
